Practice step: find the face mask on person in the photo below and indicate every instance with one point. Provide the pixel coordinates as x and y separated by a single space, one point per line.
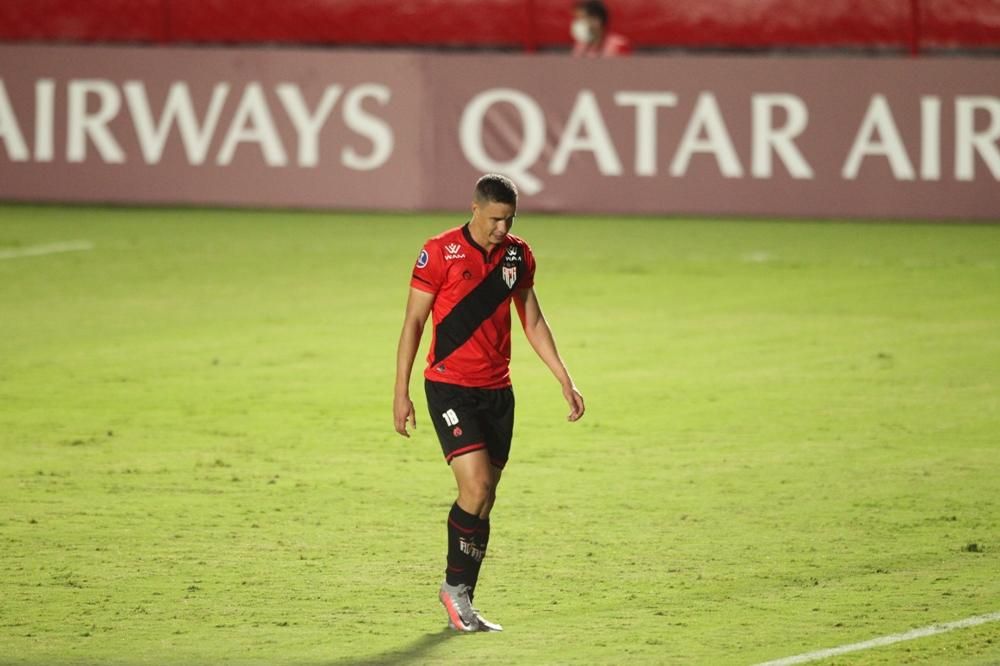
580 30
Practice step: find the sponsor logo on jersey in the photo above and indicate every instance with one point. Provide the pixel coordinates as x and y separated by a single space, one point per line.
453 250
512 255
422 259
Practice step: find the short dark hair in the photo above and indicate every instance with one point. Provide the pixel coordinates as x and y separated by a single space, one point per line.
594 8
496 189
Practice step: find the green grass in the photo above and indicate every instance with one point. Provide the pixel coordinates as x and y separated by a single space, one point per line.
792 438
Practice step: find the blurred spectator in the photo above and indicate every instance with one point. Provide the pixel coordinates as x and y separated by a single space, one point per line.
591 34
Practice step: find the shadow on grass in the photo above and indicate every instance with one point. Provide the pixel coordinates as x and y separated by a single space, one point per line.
415 652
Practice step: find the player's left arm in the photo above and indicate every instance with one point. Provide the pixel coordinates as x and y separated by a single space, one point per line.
539 335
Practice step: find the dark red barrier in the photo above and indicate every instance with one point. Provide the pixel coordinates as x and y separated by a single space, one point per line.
380 22
960 23
90 21
904 25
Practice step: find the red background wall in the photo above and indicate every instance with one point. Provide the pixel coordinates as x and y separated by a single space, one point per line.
911 25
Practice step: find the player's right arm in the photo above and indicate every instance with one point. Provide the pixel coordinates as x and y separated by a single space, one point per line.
418 307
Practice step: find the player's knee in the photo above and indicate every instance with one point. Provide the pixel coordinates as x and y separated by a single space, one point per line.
490 501
478 493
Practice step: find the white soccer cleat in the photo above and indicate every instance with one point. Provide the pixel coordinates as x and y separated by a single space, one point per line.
455 599
484 624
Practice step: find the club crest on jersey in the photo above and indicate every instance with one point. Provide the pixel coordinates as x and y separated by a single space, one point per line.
510 276
453 250
422 259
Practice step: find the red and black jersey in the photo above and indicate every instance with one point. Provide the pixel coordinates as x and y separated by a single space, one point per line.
471 341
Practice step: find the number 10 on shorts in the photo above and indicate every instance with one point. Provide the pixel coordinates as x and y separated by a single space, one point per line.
450 417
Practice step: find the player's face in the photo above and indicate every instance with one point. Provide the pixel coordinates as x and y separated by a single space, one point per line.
492 221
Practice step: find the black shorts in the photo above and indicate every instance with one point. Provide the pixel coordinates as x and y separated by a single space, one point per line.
471 419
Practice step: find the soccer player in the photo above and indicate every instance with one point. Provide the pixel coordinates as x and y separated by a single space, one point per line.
467 277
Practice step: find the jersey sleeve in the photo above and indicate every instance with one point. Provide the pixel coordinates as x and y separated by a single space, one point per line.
528 281
428 272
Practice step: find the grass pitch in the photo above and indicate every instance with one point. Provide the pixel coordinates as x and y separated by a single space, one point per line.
792 442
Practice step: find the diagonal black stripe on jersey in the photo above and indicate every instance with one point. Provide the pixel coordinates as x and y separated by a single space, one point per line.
470 313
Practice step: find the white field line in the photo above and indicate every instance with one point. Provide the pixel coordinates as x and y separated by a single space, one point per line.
51 248
885 640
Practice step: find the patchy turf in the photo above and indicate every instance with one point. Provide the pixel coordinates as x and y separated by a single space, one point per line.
791 444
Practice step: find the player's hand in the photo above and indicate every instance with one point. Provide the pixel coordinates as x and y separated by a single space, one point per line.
402 411
575 400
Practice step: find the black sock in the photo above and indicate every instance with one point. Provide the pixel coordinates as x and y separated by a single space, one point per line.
482 539
463 554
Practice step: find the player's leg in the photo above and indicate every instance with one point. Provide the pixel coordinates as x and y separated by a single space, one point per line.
481 538
497 423
453 413
474 477
482 534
